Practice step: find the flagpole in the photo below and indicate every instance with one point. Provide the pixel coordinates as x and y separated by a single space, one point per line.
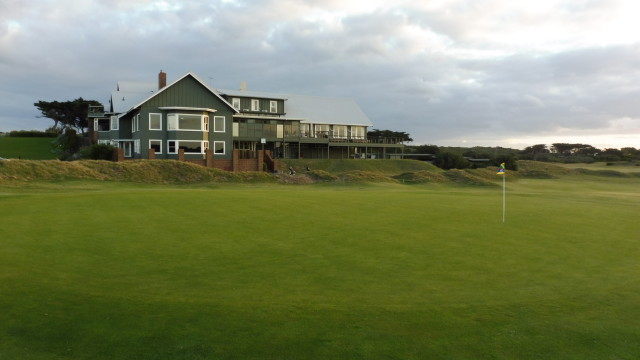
504 196
503 173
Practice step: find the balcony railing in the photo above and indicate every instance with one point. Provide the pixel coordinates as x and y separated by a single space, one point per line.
96 111
331 137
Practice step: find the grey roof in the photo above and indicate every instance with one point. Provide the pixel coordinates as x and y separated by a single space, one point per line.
314 109
127 101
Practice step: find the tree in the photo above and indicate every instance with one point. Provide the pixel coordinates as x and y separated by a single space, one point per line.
449 160
67 114
535 152
401 136
426 149
67 144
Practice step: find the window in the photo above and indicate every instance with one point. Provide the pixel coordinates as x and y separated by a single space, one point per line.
255 105
340 131
155 121
156 145
218 147
321 131
235 102
114 122
187 122
136 146
305 130
189 147
135 123
273 106
101 124
218 123
357 132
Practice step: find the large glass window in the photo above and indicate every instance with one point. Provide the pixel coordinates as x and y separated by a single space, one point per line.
357 132
218 123
321 131
155 121
189 147
340 131
305 130
188 122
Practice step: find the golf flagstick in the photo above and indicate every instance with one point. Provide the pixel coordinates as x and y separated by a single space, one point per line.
504 192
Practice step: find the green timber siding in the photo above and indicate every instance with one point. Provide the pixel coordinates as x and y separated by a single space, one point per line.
265 104
188 93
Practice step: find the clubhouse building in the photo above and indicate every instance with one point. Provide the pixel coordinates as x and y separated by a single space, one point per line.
235 130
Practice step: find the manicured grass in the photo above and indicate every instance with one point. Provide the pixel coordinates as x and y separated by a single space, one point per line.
121 271
26 148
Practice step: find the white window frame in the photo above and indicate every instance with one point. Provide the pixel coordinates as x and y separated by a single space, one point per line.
203 146
235 103
273 106
158 141
114 123
160 120
216 121
255 105
224 148
136 146
173 122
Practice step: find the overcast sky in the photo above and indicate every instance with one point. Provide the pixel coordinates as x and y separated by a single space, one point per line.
448 72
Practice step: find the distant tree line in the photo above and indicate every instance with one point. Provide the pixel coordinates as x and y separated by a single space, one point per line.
477 157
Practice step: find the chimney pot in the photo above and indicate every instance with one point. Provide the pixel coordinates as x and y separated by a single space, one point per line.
162 79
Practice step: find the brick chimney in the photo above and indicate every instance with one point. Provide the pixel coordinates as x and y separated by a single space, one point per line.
162 79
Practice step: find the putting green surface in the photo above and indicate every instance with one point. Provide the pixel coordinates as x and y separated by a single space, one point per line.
122 271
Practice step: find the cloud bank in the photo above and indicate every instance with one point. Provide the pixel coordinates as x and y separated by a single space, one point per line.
449 72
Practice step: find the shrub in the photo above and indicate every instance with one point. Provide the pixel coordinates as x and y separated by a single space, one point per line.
99 152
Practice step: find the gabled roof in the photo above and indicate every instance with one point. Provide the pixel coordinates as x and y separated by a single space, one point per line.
313 109
139 98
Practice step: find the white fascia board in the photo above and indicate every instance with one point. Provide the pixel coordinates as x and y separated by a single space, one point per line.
186 108
244 116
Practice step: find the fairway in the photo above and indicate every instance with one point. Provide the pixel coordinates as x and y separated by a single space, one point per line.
93 270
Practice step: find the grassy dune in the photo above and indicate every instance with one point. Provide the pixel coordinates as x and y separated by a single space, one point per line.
108 270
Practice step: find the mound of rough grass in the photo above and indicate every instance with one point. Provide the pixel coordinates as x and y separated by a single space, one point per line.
469 177
541 170
421 177
359 176
605 173
338 166
142 171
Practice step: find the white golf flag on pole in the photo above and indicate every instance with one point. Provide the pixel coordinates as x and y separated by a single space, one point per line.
504 186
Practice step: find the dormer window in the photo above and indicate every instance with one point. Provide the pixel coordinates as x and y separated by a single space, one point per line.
235 102
255 105
273 106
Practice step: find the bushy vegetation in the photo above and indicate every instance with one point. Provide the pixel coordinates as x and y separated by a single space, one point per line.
98 152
